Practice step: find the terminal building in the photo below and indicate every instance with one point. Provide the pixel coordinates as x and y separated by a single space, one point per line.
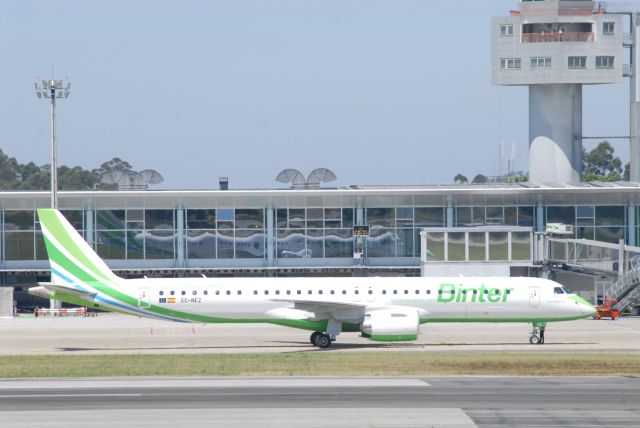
310 231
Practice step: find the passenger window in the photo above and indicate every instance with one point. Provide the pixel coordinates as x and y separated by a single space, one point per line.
357 291
217 292
255 292
333 292
172 292
228 292
299 292
194 292
309 292
288 292
370 291
161 293
278 292
183 292
266 292
395 291
428 291
344 291
239 292
406 291
319 291
384 291
205 292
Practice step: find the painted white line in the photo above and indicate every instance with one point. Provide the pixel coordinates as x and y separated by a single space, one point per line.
67 395
238 382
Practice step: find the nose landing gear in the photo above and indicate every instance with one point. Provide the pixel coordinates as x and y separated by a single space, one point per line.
536 337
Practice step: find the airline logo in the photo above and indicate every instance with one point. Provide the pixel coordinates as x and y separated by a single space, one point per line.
448 293
167 300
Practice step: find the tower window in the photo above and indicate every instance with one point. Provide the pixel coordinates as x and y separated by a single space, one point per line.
510 63
506 30
541 62
577 62
608 27
604 62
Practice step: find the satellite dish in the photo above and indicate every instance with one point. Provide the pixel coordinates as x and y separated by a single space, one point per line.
151 176
131 180
292 176
320 175
115 176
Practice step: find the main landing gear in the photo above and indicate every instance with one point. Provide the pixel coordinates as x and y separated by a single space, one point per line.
536 337
321 340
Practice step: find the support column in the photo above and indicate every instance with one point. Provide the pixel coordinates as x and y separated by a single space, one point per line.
631 225
180 259
270 237
555 133
539 217
449 211
89 227
634 97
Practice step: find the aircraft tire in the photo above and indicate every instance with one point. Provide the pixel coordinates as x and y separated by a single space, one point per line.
313 337
534 340
323 341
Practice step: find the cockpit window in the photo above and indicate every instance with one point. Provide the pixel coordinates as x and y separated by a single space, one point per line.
567 290
558 290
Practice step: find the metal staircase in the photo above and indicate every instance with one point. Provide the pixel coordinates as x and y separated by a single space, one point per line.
626 290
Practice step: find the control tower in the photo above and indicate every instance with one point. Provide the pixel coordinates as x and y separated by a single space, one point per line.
555 47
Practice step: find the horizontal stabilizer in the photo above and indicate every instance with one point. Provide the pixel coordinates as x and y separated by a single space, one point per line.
67 290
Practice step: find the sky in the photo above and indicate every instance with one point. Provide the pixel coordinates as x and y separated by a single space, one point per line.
380 92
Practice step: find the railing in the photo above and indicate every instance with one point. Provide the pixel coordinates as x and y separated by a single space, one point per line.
598 257
556 37
585 254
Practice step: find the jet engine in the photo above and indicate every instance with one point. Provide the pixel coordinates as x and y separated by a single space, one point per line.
392 324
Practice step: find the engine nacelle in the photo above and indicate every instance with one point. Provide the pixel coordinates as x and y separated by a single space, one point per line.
390 325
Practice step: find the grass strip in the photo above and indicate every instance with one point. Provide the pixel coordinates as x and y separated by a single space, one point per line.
322 364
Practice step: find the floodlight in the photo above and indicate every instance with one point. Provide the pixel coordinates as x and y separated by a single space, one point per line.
52 89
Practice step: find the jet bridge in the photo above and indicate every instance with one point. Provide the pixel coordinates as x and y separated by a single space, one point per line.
618 262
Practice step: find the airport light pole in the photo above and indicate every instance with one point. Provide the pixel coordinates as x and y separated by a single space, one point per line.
52 89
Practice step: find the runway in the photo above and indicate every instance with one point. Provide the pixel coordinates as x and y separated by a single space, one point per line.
322 402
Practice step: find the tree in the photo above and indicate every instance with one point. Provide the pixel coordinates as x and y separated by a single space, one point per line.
460 179
17 176
479 179
600 164
114 164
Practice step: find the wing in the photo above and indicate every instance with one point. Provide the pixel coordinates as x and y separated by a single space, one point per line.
319 310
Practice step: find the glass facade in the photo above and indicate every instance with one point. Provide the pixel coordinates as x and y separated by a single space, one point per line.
278 235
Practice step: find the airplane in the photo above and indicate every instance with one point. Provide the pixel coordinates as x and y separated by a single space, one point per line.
380 308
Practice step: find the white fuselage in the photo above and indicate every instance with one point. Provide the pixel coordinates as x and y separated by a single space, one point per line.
436 299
